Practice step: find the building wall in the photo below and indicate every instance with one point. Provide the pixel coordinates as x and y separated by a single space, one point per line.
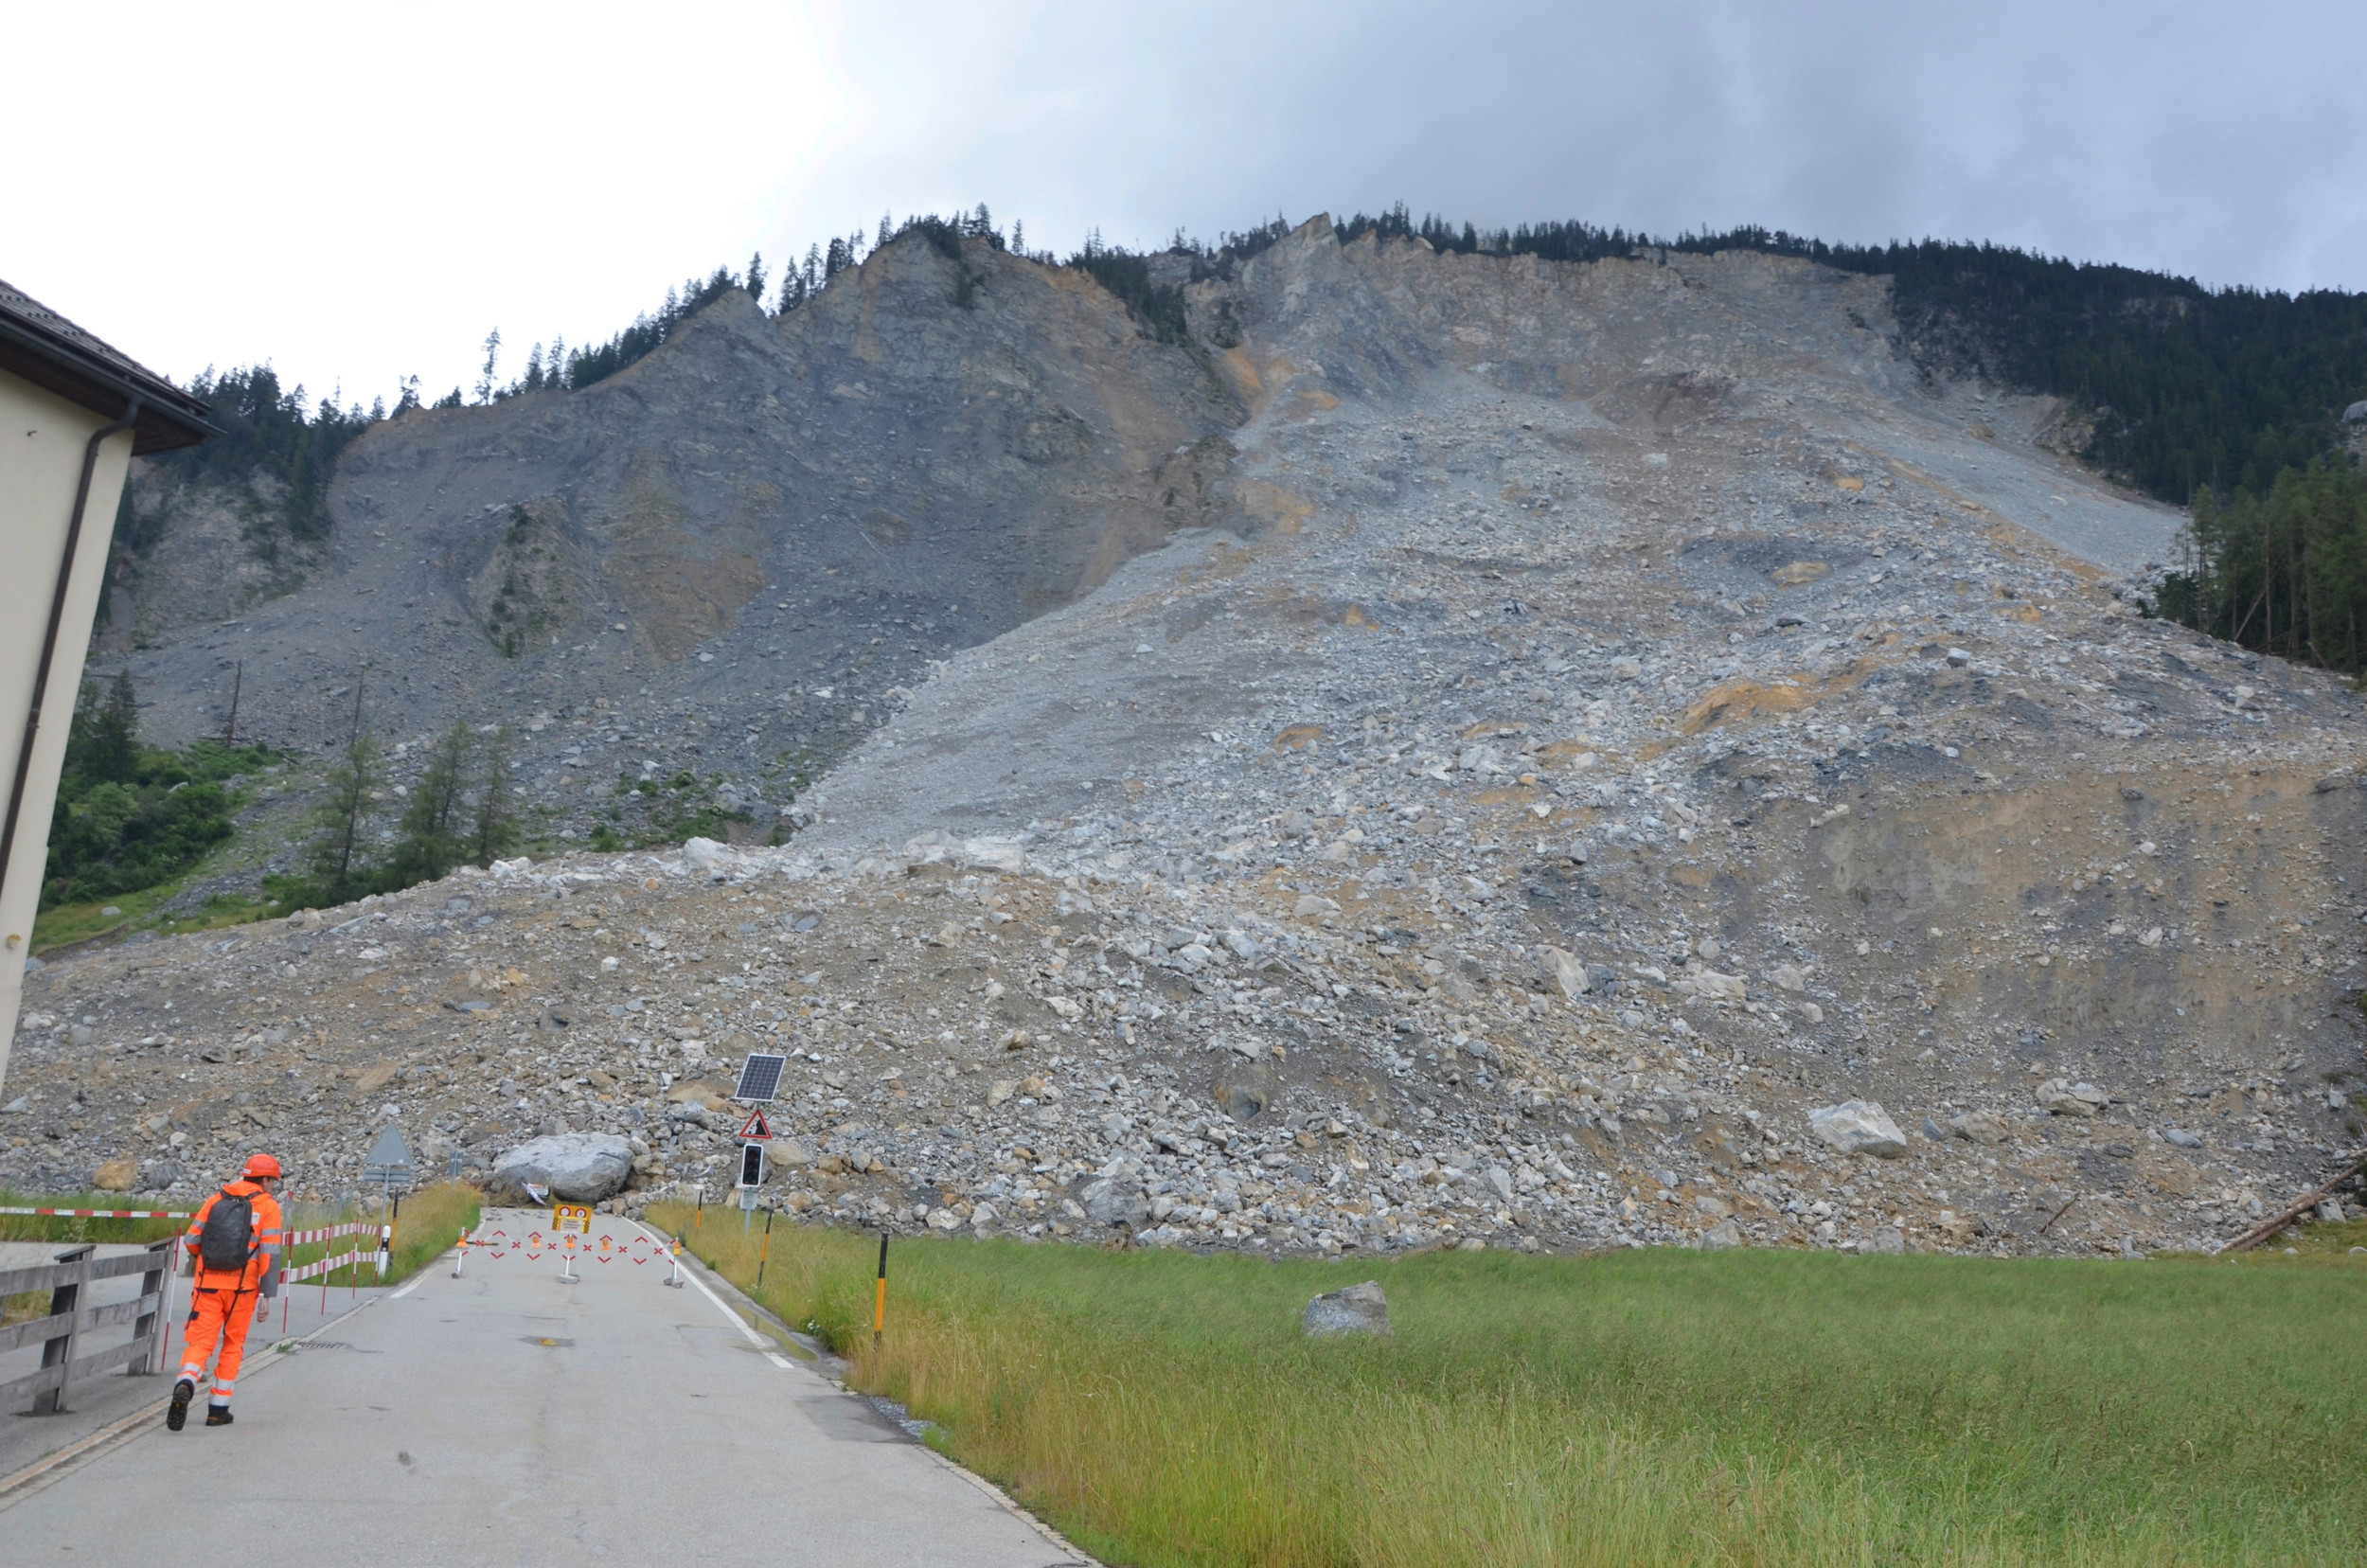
42 439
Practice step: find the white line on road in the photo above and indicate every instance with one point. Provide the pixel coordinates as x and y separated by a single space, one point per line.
754 1338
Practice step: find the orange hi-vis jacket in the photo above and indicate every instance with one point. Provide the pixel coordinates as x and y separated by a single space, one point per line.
268 1238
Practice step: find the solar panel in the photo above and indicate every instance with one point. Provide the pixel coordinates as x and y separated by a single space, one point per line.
760 1078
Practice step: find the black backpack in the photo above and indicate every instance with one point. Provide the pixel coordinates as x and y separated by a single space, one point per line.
227 1240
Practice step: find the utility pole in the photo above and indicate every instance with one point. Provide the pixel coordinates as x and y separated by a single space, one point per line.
230 734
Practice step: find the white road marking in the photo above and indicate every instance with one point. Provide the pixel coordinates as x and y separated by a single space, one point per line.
754 1338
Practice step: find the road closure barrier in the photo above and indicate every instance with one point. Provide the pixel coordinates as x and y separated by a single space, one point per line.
498 1245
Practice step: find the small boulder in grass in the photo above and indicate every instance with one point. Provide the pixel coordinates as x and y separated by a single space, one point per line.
116 1175
1358 1310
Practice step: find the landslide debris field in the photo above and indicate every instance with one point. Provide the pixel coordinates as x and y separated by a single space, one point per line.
1595 716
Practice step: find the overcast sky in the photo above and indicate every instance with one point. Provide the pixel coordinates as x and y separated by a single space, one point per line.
358 192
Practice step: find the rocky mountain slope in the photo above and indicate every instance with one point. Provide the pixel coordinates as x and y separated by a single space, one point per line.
1604 718
726 557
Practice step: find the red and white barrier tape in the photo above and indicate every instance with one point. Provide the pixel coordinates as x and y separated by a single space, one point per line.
105 1214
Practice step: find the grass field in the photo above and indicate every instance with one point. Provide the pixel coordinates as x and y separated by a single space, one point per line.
1666 1406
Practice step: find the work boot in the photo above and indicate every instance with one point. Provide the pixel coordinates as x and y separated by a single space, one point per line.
217 1414
177 1415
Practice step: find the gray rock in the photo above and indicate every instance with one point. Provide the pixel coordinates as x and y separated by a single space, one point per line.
2065 1098
1887 1239
1934 1130
1979 1127
1566 969
1116 1201
1857 1127
2355 414
1723 1236
2180 1137
1358 1310
583 1167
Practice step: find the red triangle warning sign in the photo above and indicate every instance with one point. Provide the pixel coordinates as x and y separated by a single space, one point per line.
756 1129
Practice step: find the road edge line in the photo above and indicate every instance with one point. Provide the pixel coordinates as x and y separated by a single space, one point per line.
1077 1557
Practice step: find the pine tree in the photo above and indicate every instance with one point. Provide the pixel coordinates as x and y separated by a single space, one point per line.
887 232
1018 238
756 277
341 819
102 742
495 828
432 825
492 358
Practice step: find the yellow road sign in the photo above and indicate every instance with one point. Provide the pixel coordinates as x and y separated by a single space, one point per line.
571 1219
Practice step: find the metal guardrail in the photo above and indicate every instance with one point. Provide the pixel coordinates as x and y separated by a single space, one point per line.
59 1333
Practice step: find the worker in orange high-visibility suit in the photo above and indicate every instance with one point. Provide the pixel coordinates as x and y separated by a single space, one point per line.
235 1238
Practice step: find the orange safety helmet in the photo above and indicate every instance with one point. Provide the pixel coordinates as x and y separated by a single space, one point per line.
260 1165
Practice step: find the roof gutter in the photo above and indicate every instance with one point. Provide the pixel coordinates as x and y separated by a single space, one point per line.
49 638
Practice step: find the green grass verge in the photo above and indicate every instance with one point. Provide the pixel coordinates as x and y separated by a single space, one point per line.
431 1220
1666 1406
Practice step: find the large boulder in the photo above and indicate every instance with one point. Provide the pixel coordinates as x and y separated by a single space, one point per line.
2065 1098
1858 1127
582 1167
1117 1200
116 1175
1358 1310
1564 969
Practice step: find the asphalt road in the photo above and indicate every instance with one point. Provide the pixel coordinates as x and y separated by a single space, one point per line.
101 1402
508 1418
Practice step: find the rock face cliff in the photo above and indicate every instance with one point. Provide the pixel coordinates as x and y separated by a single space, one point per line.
758 510
1462 747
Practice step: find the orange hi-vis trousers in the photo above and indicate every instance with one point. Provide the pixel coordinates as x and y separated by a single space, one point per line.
218 1313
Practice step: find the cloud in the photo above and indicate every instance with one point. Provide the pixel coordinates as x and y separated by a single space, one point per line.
359 194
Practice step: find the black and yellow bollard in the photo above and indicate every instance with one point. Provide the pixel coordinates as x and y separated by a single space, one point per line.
879 1299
